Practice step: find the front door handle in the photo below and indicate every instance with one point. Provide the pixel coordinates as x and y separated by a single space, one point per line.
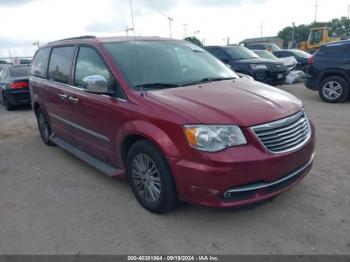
73 99
62 96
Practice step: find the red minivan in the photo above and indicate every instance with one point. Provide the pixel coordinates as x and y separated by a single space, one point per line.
177 122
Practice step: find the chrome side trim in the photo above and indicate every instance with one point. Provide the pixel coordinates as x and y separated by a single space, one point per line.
88 131
265 185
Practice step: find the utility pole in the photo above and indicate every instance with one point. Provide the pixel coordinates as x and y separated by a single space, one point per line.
132 18
316 10
293 35
170 23
185 29
348 12
261 28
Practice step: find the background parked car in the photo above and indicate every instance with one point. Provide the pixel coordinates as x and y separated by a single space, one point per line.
14 88
329 72
301 56
263 46
243 60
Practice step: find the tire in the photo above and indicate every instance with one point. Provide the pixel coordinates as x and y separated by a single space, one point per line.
7 104
334 89
44 127
148 169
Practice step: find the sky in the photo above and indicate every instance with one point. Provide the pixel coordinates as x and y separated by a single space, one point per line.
26 21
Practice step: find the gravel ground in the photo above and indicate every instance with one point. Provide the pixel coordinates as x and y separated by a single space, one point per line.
52 203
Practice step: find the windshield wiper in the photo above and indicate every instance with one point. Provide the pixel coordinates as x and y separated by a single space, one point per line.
208 80
157 85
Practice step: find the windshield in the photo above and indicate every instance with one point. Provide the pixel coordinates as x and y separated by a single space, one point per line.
265 54
240 52
300 53
166 63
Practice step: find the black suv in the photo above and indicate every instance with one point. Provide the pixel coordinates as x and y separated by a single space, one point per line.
329 72
243 60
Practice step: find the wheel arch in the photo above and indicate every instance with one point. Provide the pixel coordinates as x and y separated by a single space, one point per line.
141 130
332 73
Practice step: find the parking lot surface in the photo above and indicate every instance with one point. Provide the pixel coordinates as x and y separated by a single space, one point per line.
52 203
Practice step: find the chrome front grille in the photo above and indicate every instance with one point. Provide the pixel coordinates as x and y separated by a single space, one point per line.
286 134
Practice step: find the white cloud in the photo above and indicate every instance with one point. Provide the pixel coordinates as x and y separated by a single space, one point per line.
25 21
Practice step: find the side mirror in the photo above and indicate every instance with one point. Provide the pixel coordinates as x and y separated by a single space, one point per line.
225 60
96 84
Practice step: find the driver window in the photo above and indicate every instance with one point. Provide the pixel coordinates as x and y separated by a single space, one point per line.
89 63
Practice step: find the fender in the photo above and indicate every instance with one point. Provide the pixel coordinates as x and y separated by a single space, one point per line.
150 132
332 72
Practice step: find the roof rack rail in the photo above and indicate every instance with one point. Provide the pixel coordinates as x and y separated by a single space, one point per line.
77 37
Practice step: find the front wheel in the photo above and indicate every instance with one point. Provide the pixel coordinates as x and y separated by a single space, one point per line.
150 178
334 89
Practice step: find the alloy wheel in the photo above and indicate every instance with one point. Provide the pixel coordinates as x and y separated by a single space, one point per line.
332 90
146 178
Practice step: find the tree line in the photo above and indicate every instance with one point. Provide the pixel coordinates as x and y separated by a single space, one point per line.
338 27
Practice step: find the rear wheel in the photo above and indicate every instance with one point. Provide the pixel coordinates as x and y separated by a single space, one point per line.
150 178
334 89
7 104
44 127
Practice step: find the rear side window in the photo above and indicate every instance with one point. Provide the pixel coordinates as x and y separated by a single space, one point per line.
39 66
60 66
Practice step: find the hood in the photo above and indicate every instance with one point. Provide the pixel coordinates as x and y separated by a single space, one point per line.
257 60
242 102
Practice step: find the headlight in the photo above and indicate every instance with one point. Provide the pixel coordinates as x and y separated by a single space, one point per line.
258 67
214 138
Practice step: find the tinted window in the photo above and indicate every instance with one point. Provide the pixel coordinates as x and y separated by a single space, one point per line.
61 64
39 66
19 71
283 54
217 52
240 52
90 63
333 49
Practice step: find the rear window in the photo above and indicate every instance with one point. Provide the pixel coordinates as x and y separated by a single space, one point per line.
60 66
336 48
19 72
39 66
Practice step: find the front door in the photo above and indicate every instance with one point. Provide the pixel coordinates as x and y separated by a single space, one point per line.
100 116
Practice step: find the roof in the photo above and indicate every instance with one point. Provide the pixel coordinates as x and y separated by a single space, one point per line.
263 40
342 42
90 38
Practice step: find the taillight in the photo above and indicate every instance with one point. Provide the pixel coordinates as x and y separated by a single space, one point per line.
19 85
311 60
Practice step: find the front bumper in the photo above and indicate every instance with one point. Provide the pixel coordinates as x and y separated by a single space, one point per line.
270 77
252 175
18 97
